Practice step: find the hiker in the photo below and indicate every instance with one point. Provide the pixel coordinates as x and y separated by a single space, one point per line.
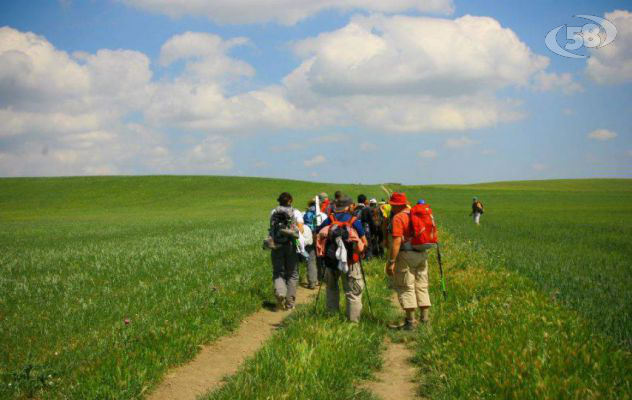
377 234
311 219
285 224
323 199
340 241
330 207
477 210
407 265
363 213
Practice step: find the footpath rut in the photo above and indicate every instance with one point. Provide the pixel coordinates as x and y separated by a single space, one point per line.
396 379
222 357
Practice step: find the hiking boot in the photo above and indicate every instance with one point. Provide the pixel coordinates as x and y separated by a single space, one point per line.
280 305
409 326
289 303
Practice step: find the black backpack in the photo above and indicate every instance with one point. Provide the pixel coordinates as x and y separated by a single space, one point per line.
338 229
282 225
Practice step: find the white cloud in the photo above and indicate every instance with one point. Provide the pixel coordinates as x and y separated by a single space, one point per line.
66 114
456 143
376 71
612 64
602 134
539 167
546 81
287 12
427 154
316 160
368 147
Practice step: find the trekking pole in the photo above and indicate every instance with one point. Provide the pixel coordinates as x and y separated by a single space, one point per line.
368 298
317 296
441 272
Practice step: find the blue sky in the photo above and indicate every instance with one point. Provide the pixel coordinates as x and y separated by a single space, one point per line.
408 91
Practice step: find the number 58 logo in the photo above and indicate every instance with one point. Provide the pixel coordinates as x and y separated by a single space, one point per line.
589 35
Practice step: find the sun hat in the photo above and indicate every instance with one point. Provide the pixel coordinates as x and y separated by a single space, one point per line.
398 199
342 203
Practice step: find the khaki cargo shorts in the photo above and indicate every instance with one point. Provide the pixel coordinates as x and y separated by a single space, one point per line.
411 279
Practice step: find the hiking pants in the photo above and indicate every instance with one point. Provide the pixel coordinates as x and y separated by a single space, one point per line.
411 279
351 284
285 272
477 217
312 266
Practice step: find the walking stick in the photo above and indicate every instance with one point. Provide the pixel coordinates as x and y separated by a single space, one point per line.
441 272
368 298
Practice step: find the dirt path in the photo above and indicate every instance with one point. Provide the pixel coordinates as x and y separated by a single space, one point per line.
396 380
222 357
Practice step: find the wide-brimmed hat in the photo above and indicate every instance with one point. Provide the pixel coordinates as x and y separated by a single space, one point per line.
342 203
398 199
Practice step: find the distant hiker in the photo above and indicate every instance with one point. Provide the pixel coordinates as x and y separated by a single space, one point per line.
285 224
377 234
477 210
363 213
330 207
311 219
340 241
408 259
324 202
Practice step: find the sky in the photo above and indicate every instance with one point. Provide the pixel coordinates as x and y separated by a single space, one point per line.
356 91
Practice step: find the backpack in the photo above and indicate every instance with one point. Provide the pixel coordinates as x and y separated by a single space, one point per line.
283 225
310 218
339 229
422 226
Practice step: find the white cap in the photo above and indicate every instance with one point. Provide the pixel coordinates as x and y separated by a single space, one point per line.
373 201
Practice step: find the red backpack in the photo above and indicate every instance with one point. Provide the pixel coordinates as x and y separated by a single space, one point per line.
423 225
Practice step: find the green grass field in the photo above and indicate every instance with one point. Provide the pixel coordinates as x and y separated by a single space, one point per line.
539 304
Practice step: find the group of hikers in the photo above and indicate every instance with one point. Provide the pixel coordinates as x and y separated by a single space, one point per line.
333 237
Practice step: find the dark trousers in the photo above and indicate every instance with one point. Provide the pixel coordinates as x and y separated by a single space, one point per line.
285 271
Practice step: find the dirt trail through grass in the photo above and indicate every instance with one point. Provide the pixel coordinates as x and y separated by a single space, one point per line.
223 357
396 379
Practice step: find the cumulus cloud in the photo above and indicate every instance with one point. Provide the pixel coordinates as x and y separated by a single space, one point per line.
67 114
427 154
546 81
602 134
286 12
612 64
413 74
456 143
316 160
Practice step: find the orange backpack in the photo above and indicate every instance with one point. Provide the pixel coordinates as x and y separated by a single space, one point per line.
423 225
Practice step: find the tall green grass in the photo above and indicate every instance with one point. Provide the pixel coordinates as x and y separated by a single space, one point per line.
179 257
570 238
498 336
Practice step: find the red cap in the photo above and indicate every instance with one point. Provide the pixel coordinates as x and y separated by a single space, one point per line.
398 199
